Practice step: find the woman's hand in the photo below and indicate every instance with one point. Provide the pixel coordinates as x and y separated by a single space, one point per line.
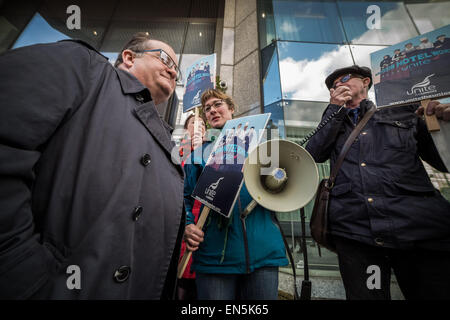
193 236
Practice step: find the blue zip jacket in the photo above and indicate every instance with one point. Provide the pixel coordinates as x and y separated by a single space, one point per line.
225 249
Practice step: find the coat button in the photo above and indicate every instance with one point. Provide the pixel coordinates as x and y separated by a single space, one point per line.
137 212
139 97
122 274
146 159
379 241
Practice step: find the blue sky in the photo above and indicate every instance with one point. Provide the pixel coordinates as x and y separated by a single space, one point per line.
38 31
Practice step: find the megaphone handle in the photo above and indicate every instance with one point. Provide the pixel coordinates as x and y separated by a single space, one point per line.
187 254
249 208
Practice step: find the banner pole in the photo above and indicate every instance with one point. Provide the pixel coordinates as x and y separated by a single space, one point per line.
187 254
431 121
197 129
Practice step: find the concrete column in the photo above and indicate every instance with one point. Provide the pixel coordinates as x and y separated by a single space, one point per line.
239 65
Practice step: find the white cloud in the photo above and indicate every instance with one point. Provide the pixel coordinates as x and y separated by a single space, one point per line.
394 28
304 79
287 27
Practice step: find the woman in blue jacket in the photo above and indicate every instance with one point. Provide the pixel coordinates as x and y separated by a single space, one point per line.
234 258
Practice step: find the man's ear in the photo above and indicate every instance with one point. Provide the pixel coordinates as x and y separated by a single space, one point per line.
128 58
366 82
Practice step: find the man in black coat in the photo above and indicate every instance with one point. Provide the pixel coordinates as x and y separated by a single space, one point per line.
91 205
384 211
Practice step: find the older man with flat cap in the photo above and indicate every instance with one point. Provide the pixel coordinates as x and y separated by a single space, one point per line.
384 211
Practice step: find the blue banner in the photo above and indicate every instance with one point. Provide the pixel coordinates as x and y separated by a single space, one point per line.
413 70
200 76
221 180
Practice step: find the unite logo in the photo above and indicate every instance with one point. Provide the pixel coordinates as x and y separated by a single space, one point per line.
422 87
210 192
196 98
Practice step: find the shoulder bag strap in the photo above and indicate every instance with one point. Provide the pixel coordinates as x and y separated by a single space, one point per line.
348 144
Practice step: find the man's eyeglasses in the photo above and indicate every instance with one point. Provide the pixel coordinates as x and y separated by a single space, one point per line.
216 104
166 59
346 78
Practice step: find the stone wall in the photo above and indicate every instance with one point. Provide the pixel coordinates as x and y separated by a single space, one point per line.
239 64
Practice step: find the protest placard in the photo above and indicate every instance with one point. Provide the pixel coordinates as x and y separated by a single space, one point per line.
222 178
413 70
416 70
200 76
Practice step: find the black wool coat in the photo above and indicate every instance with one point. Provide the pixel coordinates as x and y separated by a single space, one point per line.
86 180
382 194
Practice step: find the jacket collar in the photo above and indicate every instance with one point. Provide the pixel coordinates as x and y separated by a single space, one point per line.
149 117
84 43
130 84
365 105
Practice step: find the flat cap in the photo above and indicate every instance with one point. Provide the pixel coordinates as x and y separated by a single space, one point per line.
363 71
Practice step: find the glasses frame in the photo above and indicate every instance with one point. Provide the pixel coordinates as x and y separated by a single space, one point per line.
216 104
347 78
169 64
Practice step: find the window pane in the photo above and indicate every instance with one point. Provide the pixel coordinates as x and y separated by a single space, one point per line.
361 54
430 16
304 67
303 114
270 75
112 56
266 23
395 24
277 118
297 114
308 21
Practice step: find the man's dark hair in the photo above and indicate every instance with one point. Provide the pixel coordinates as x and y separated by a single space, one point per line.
137 43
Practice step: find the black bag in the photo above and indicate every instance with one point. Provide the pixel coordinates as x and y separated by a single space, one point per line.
319 218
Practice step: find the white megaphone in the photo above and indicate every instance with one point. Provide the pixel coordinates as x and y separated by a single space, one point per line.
281 176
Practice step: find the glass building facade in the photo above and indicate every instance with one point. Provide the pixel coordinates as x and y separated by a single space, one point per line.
107 25
301 42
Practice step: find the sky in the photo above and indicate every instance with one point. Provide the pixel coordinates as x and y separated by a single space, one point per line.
38 31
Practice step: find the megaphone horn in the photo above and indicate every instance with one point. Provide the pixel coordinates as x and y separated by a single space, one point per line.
287 183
